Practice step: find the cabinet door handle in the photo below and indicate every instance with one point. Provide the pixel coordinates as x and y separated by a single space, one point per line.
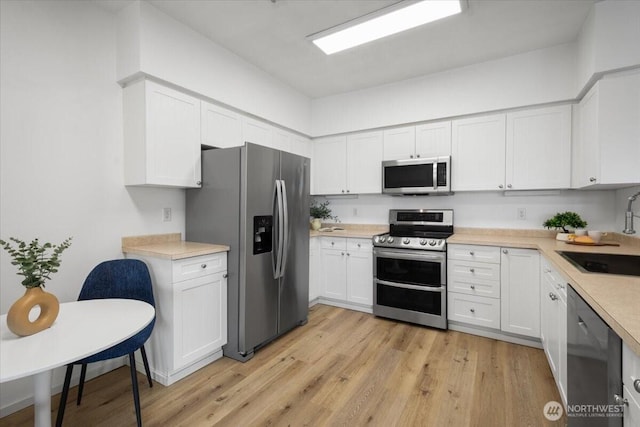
348 191
500 186
472 286
619 400
199 183
203 265
552 296
473 310
418 155
592 179
411 156
359 245
342 253
509 186
471 253
225 275
348 254
332 243
636 385
473 270
504 251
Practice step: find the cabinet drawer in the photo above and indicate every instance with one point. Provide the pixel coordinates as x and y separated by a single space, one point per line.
555 278
474 310
334 243
466 270
474 253
471 286
359 245
191 268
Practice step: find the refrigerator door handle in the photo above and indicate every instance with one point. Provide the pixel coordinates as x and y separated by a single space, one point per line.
279 234
276 229
285 226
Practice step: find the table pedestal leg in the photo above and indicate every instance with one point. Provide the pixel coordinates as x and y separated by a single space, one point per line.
42 399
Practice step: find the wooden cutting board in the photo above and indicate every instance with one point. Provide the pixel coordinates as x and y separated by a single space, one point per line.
594 244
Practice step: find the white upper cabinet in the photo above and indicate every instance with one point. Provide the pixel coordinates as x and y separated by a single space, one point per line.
348 165
221 128
257 132
281 140
329 165
364 163
538 150
161 136
399 143
412 142
607 148
433 139
478 153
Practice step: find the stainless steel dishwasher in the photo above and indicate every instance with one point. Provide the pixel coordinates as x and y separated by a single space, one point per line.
594 368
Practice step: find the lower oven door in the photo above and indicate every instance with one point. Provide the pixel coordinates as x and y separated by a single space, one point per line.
410 286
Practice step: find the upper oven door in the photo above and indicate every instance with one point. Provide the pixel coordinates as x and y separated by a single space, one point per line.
416 176
419 268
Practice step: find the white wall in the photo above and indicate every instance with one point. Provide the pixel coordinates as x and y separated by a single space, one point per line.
152 42
541 76
608 40
61 150
485 209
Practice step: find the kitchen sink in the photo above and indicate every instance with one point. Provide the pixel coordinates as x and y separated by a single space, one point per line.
628 265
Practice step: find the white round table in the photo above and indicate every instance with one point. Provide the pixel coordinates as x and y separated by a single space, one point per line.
82 328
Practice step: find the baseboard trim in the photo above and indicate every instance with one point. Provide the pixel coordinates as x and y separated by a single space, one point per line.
168 378
495 334
344 304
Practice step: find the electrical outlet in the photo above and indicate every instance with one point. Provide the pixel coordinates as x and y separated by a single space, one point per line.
166 214
522 213
355 211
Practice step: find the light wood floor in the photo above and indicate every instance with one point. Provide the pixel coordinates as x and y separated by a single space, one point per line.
342 368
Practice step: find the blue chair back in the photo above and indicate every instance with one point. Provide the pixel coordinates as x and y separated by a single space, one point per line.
121 278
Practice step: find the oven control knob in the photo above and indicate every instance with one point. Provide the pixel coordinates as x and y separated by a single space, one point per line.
376 239
423 242
406 241
390 239
382 239
432 242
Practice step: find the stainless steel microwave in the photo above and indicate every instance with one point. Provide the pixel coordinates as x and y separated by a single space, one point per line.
417 176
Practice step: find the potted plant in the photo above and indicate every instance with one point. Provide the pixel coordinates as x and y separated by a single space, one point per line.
562 221
318 212
36 262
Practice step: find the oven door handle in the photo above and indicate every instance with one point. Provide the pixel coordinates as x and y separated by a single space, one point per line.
412 287
439 257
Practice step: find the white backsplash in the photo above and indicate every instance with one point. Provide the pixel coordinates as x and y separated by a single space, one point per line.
487 209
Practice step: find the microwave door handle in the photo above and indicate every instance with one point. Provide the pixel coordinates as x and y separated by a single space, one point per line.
435 175
412 287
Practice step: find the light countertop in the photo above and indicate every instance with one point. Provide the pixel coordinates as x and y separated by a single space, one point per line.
358 231
169 246
616 298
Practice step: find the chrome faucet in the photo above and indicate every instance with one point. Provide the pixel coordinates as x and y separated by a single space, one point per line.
628 219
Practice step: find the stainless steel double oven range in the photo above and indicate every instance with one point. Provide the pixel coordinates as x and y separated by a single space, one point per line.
410 267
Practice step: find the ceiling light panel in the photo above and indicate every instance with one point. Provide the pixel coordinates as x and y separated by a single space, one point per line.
392 20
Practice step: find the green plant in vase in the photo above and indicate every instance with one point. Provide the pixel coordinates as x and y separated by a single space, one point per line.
318 212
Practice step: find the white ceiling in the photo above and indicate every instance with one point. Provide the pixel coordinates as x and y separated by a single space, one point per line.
271 35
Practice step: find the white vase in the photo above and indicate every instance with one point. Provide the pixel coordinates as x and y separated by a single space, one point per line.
563 237
316 224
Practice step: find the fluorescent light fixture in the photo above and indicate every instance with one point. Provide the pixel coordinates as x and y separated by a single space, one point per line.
385 22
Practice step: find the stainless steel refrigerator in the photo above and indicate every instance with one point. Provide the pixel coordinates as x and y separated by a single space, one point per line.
256 200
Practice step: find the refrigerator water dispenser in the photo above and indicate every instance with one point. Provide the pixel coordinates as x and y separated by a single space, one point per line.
262 234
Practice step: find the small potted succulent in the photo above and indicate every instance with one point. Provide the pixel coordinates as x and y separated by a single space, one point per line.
318 212
563 221
36 262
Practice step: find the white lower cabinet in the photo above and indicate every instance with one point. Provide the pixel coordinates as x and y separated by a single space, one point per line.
520 292
631 389
191 314
553 323
494 287
347 272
